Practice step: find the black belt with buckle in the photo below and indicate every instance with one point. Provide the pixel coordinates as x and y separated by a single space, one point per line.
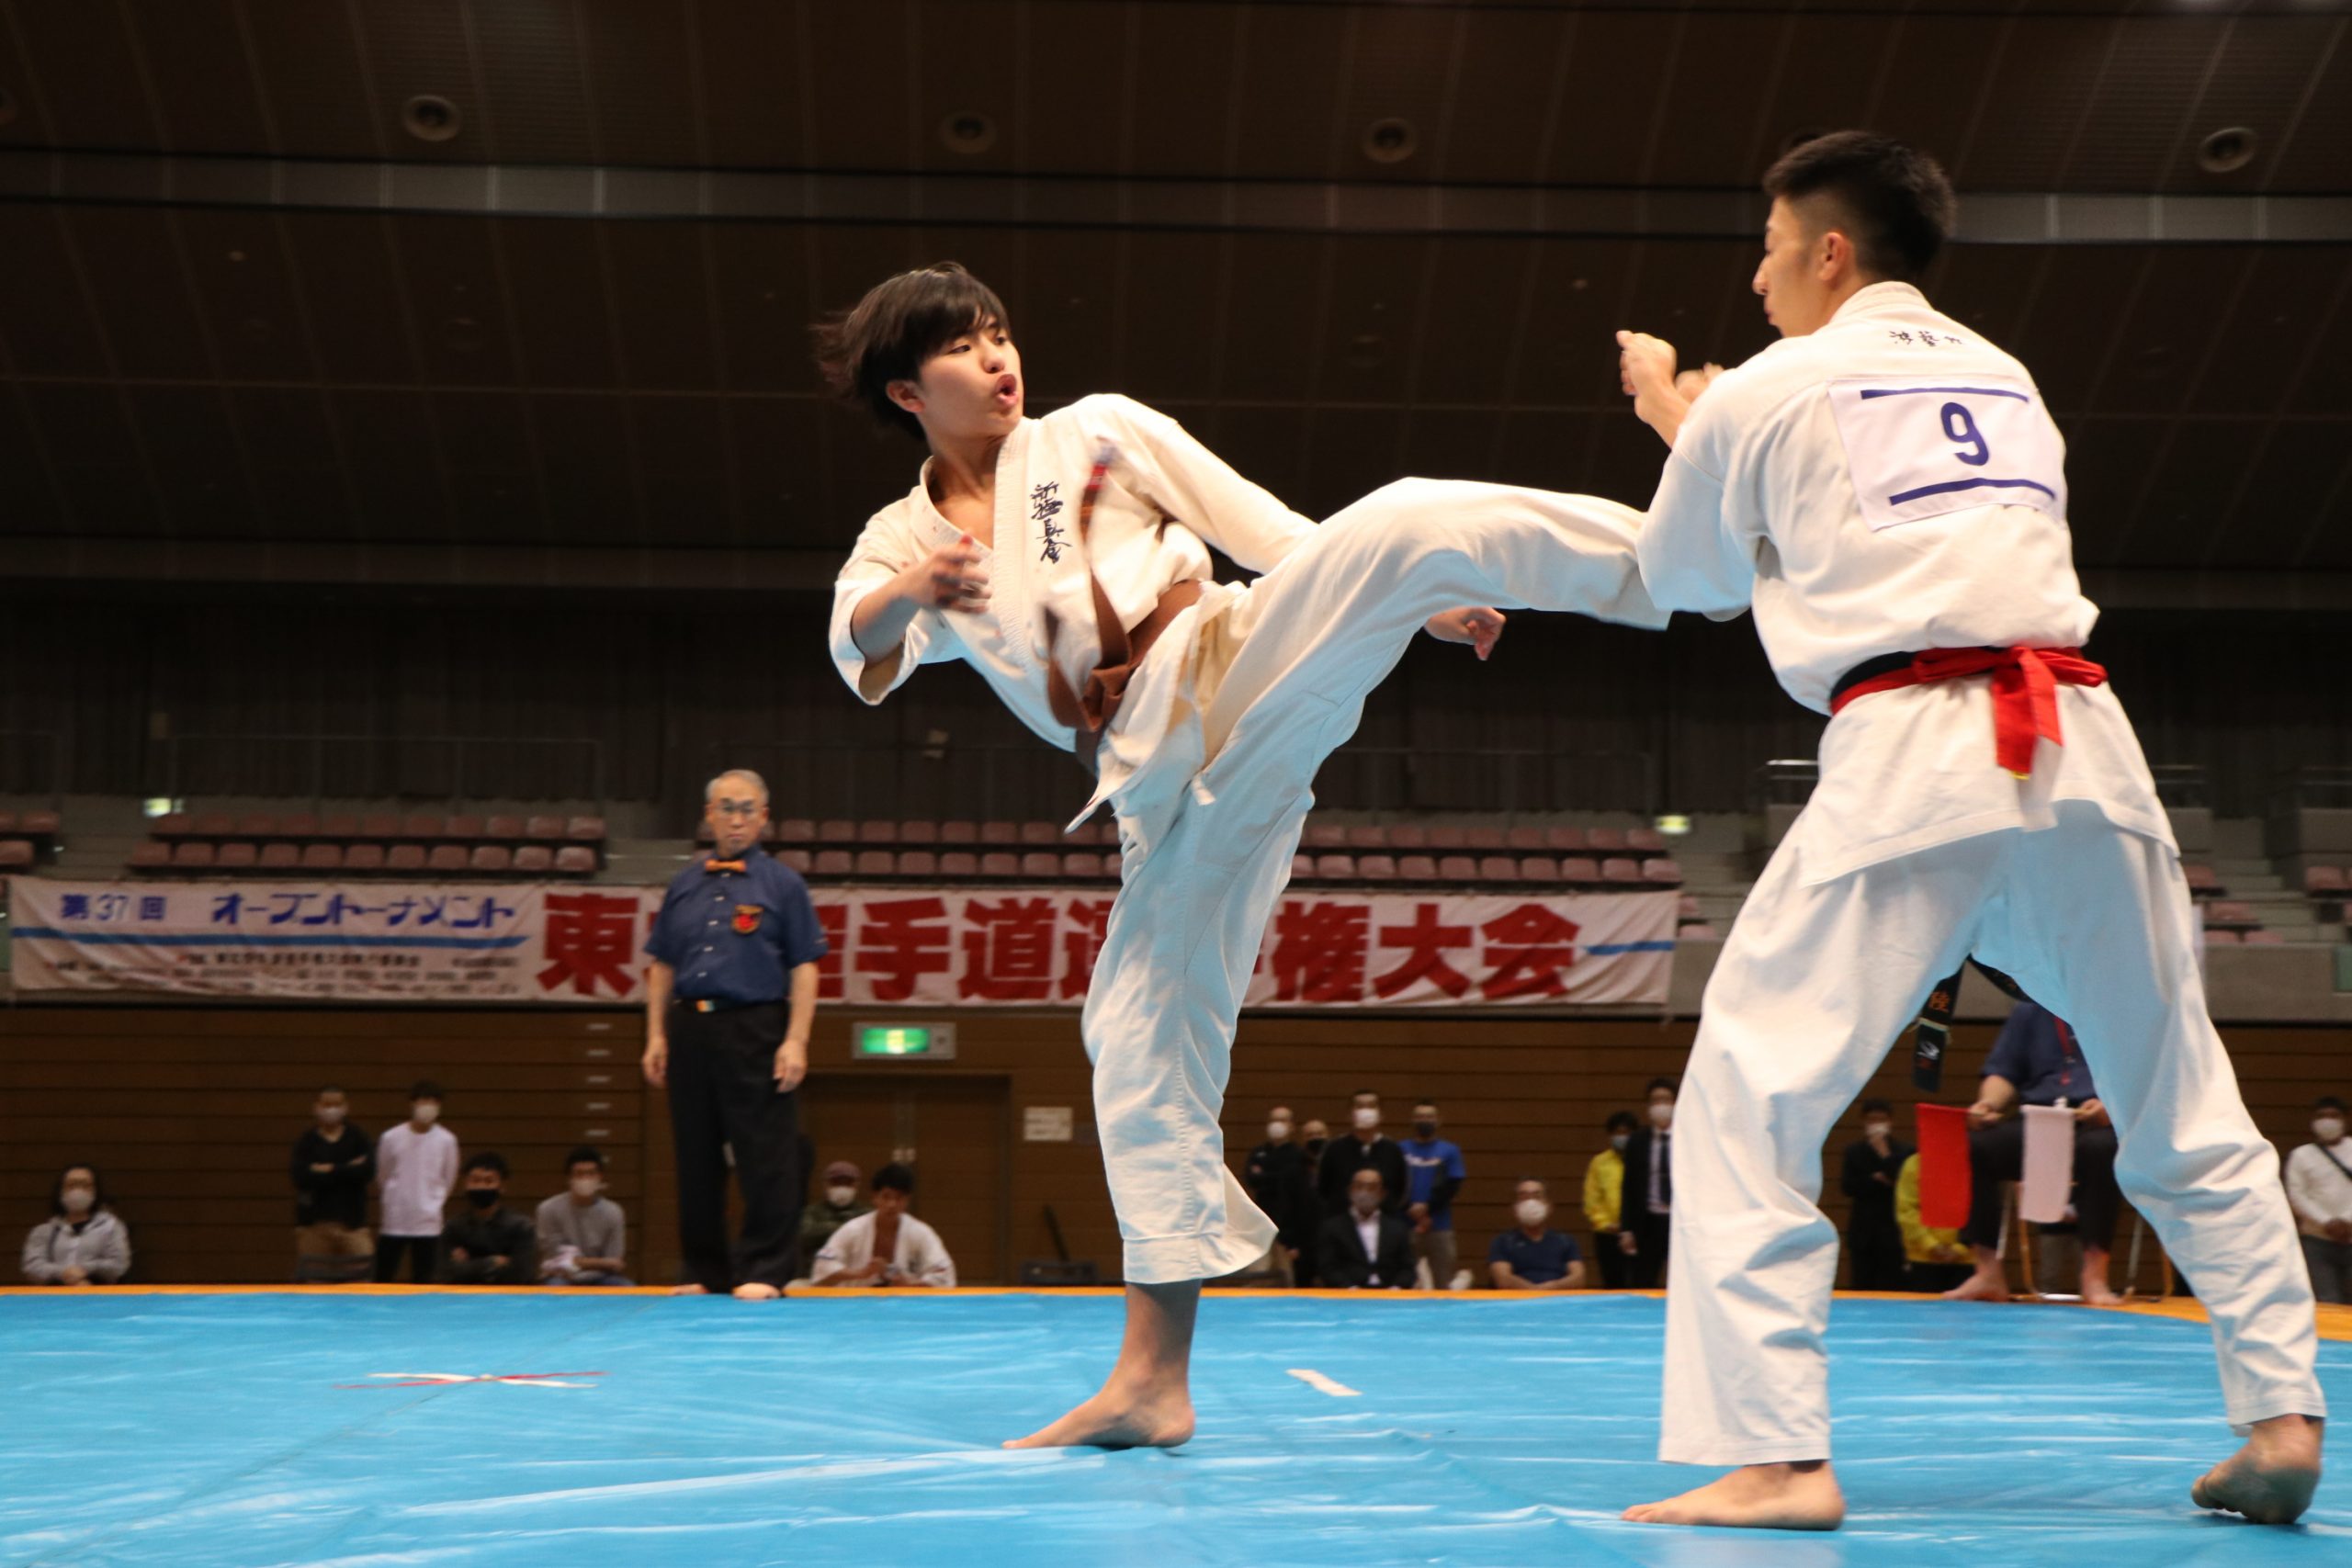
715 1004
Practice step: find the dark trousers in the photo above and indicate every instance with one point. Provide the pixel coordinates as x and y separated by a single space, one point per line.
722 1095
1650 1232
1616 1268
1996 1154
424 1253
2331 1265
1875 1243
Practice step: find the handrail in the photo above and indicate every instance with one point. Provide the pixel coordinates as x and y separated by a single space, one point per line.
175 767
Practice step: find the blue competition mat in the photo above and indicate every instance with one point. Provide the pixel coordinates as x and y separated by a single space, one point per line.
268 1429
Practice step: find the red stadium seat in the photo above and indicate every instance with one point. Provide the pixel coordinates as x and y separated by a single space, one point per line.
405 859
445 857
1041 864
798 860
2230 912
1335 868
1323 835
2221 939
1604 841
1661 869
171 825
282 856
1646 842
1415 868
917 863
955 865
1457 868
834 863
492 858
1565 840
918 833
257 825
363 857
215 825
1407 835
1446 836
1082 866
322 857
1374 837
795 831
1532 839
298 825
17 854
876 862
1538 868
534 859
1000 862
1687 907
2201 878
1041 834
877 831
40 824
1698 931
585 830
1376 868
837 830
239 857
192 855
506 828
1484 839
999 832
1618 869
1580 869
2264 938
1302 866
379 825
468 827
575 860
544 829
7 824
339 825
959 832
1497 868
145 857
2323 879
425 825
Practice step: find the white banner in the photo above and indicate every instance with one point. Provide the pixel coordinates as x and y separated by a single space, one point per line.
890 947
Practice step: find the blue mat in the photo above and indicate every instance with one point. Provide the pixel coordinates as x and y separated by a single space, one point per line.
258 1429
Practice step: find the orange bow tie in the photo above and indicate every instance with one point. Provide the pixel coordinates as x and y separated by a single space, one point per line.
725 865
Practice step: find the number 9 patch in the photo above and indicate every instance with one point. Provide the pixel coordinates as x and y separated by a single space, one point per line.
1920 447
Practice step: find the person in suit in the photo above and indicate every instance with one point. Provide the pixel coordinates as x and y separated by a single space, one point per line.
1367 1247
1647 1207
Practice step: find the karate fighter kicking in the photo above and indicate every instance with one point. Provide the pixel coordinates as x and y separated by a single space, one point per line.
1887 490
1066 559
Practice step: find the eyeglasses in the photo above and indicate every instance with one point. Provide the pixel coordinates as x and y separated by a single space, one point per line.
737 807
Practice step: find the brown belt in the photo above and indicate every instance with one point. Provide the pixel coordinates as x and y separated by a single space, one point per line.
1123 649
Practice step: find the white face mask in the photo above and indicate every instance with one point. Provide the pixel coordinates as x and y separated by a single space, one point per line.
841 1197
2327 1128
331 1115
1878 1129
1277 1132
425 1112
1367 1118
1366 1203
1619 1140
78 1200
1662 1114
586 1186
1531 1210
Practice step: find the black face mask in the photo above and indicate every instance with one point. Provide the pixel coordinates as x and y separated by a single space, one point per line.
1315 1146
1426 1129
482 1197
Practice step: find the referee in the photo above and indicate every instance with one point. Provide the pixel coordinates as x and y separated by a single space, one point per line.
736 936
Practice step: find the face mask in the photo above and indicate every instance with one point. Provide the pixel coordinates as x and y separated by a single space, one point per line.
1531 1210
78 1200
1277 1132
586 1186
1366 1202
1426 1129
2327 1128
1315 1146
331 1115
1878 1129
1619 1140
482 1197
1661 1114
841 1197
425 1112
1367 1118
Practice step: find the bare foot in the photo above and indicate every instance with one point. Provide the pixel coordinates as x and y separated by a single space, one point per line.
2096 1293
752 1290
688 1291
1757 1497
2270 1480
1119 1418
1980 1288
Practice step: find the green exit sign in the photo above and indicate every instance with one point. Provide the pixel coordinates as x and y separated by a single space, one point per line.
923 1041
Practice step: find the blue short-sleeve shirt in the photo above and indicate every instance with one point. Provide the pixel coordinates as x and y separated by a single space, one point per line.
1537 1262
736 936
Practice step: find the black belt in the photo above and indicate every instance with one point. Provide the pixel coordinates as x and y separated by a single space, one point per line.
1871 669
1935 1021
719 1004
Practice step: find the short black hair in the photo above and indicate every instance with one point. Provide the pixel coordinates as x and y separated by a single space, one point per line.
328 1088
2328 1102
57 1188
1624 1119
488 1160
424 1088
898 1178
1363 1094
1425 1099
900 322
1881 1107
1895 203
586 1154
1665 1084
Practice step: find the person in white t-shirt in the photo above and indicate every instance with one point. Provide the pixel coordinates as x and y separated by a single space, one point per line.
2319 1188
887 1247
1887 490
416 1165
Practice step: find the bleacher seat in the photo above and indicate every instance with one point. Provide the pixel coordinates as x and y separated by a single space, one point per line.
2323 879
836 830
1376 868
192 855
405 859
1302 866
1538 868
1041 835
544 829
795 831
146 857
2214 937
1041 866
1659 869
425 824
1565 840
1407 835
2230 912
213 825
875 862
238 857
999 832
37 825
1457 868
363 857
575 860
1619 869
1646 842
1580 869
17 854
339 825
959 832
955 865
1698 931
470 828
1000 862
325 857
174 825
1415 868
1687 907
298 825
1324 836
1528 840
917 863
1082 866
798 860
502 828
534 859
1369 837
379 825
834 863
1335 868
585 830
257 825
492 858
876 831
1497 868
2264 938
445 857
1485 840
2201 878
1605 840
1446 837
918 833
284 855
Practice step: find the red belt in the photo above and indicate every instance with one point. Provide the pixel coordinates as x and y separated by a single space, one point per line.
1122 649
2025 688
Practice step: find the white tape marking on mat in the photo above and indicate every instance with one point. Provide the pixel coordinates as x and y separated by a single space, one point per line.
1322 1385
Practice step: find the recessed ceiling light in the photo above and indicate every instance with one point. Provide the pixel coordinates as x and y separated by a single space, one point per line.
429 118
968 133
2227 149
1390 141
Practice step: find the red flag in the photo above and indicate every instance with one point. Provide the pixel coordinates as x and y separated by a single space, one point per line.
1943 1167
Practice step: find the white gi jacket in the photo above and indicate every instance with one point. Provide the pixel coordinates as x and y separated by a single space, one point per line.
1893 483
1166 495
920 1255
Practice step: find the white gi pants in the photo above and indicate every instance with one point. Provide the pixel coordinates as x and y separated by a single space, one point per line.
1295 656
1814 986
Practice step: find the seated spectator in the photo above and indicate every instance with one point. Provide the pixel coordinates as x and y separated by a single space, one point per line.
333 1164
889 1246
82 1242
1367 1247
583 1235
1535 1256
416 1162
490 1243
838 1205
2036 1061
1936 1259
2319 1188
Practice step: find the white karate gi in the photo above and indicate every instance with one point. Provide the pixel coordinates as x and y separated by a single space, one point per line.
918 1255
1891 484
1210 762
